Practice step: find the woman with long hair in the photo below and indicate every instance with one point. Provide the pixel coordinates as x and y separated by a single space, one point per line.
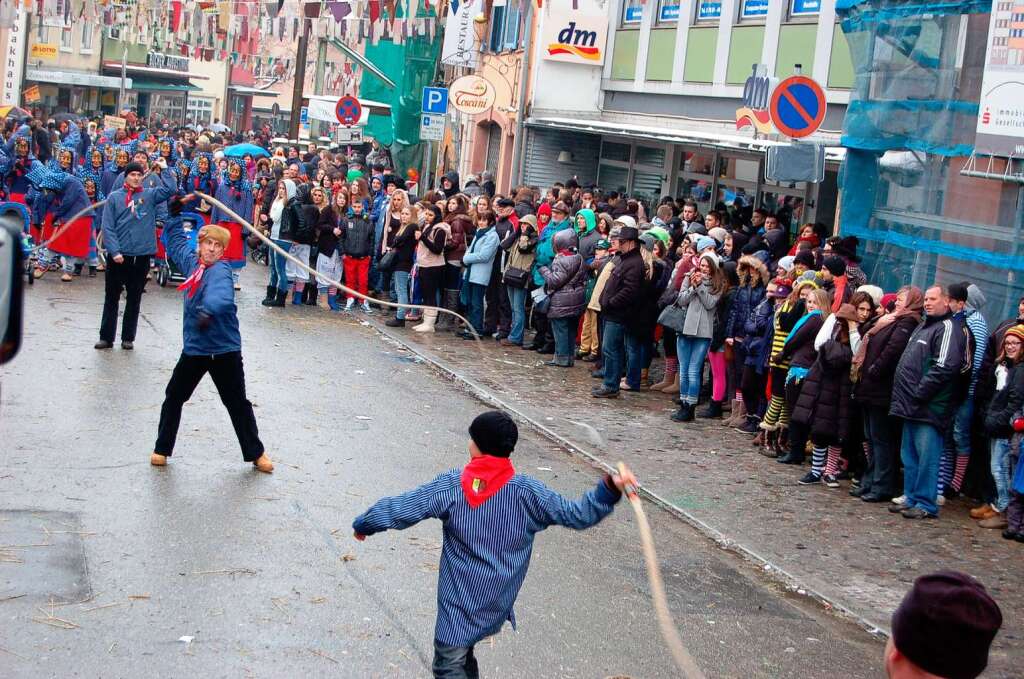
285 213
699 294
328 261
430 263
1005 406
401 239
461 227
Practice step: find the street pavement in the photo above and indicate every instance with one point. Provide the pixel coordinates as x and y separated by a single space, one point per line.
112 568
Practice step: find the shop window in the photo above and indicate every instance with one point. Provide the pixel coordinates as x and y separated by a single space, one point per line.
66 39
614 151
505 20
709 10
804 8
632 12
493 148
754 9
788 207
696 178
613 178
649 155
200 110
87 35
668 11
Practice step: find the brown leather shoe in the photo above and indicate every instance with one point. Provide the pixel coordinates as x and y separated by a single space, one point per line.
263 464
995 521
983 512
158 460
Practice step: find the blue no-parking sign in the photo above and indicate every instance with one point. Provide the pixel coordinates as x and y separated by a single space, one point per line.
797 106
435 100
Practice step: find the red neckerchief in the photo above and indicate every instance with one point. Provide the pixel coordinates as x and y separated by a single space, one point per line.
235 192
191 284
129 193
483 477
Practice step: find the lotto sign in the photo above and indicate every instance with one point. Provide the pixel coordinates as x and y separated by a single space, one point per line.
348 110
798 106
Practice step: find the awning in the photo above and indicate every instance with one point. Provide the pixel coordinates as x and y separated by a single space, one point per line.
243 89
147 70
670 135
161 86
41 75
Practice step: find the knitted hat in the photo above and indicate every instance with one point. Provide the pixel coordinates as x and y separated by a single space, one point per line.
718 233
544 209
808 278
711 256
887 301
661 234
602 244
783 286
217 233
494 433
945 625
704 242
873 291
133 167
529 219
786 263
1015 330
835 265
805 257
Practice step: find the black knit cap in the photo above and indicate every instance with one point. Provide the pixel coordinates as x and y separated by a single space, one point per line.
835 265
133 167
494 433
805 257
945 625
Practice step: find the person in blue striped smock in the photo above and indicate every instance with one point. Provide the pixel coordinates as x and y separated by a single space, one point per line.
490 515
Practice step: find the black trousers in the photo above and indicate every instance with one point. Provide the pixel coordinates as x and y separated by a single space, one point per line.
431 282
498 312
128 276
229 378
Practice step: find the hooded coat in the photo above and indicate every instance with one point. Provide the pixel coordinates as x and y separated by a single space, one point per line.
452 177
590 236
545 248
824 401
566 278
754 277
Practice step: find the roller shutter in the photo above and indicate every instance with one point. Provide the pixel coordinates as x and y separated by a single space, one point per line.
542 148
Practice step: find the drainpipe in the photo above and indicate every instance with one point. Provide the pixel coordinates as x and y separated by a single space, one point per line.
520 148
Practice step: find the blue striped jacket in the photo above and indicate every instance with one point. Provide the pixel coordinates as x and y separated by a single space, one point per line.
486 550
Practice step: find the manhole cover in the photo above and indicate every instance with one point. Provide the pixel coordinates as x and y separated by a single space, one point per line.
42 556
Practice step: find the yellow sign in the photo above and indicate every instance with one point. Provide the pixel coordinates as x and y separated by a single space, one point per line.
114 123
43 51
31 95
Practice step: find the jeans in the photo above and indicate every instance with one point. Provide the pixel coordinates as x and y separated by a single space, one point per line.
691 352
129 276
229 378
562 330
921 450
473 297
619 348
1001 472
278 266
881 431
517 300
453 662
400 283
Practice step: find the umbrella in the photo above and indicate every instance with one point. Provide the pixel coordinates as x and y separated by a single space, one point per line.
14 112
61 117
239 150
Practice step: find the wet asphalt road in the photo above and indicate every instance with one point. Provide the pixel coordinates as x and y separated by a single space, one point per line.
106 563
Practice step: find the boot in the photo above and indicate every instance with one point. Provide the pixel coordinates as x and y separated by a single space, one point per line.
671 371
332 302
739 414
684 414
271 295
263 464
309 295
446 322
429 321
321 301
674 387
645 382
297 297
280 297
714 410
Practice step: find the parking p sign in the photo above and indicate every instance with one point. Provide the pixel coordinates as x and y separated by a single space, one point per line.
435 100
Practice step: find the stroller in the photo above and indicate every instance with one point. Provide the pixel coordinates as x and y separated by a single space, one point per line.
21 212
166 271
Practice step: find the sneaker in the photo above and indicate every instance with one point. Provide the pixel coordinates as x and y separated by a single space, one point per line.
830 481
604 392
395 323
350 304
917 513
901 500
809 479
941 500
896 509
366 308
748 426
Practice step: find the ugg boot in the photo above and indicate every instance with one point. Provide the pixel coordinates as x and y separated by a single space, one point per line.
739 414
674 387
332 302
447 322
263 464
271 294
645 382
429 321
671 371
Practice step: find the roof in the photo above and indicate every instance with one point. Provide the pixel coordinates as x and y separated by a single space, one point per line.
162 86
159 72
254 91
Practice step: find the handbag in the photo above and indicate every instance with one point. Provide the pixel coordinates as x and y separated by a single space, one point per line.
514 277
541 301
673 316
388 261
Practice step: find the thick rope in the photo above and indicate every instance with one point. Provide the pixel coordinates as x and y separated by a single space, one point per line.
315 276
687 665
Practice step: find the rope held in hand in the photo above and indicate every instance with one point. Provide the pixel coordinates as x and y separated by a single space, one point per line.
315 276
687 665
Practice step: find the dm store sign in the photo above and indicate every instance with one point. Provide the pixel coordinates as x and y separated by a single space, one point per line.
575 38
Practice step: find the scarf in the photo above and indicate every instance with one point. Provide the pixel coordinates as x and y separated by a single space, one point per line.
796 373
191 284
913 308
129 193
483 477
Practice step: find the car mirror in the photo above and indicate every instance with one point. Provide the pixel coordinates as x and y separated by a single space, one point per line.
12 281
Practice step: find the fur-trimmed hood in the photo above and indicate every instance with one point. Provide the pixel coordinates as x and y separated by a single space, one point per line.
748 265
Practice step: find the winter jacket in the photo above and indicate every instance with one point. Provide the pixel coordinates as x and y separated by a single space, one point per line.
356 239
461 226
521 247
986 387
799 348
402 239
213 302
479 257
753 275
564 281
699 303
129 229
430 249
604 272
757 335
1007 402
545 253
294 226
326 241
452 177
623 292
589 237
824 400
927 372
874 388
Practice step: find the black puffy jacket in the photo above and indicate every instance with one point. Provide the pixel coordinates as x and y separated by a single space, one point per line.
824 401
1006 403
926 376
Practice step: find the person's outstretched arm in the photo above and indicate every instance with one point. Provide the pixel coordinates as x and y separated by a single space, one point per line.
429 501
554 510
